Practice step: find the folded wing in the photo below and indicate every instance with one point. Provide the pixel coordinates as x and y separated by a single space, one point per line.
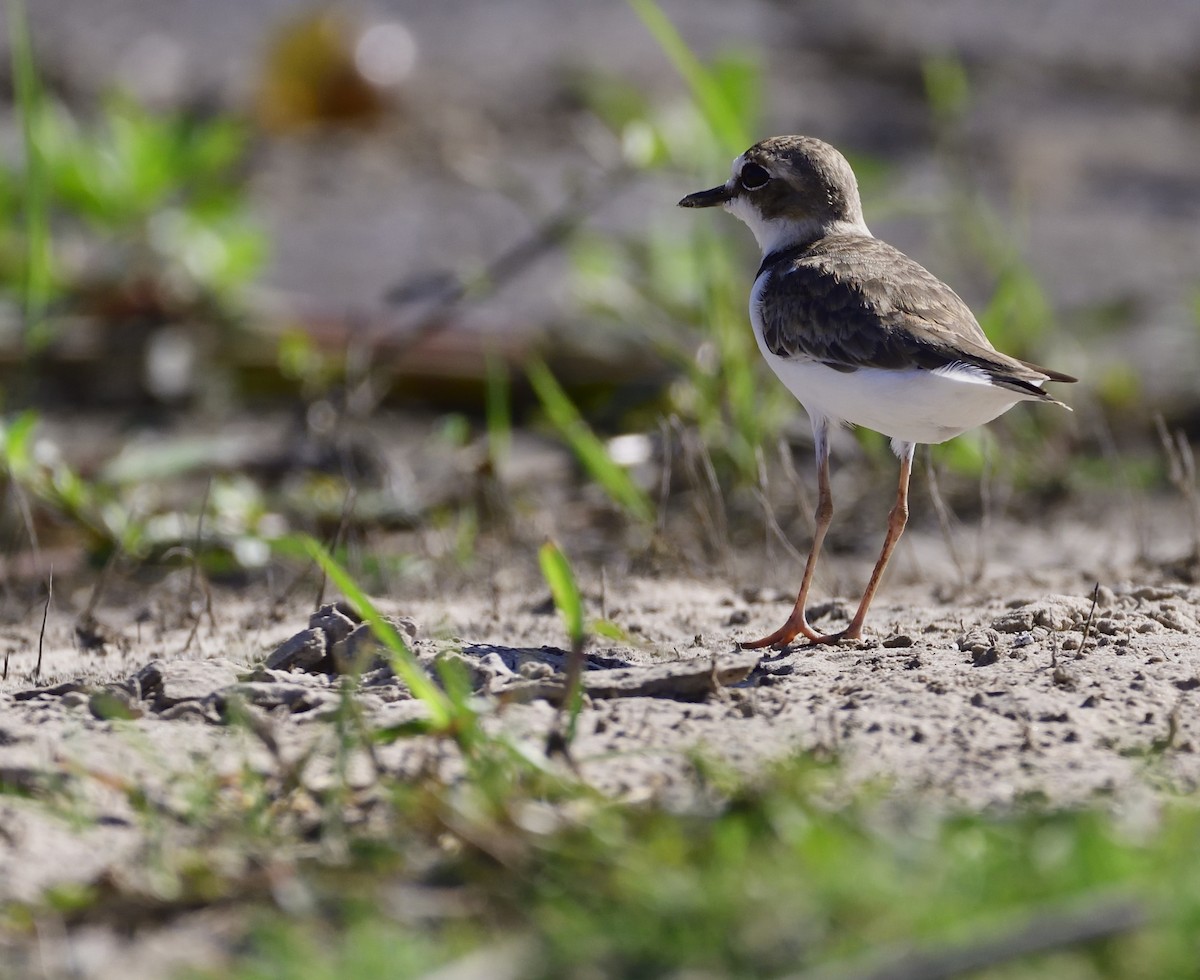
852 302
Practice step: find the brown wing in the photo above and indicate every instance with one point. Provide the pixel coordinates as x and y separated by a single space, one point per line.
852 301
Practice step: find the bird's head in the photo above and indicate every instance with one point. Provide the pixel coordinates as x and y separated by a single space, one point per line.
789 190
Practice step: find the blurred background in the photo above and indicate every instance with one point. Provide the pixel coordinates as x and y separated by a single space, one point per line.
410 276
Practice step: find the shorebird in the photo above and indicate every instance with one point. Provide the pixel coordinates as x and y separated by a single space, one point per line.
858 332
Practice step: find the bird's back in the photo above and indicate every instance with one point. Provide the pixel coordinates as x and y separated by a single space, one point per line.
859 331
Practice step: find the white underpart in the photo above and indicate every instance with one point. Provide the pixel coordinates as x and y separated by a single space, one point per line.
908 405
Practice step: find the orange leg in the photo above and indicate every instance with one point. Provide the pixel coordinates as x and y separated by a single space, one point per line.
797 622
897 519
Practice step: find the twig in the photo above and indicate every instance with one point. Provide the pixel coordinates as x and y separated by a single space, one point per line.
664 484
1087 627
945 522
1181 470
37 670
448 291
348 503
294 584
803 498
30 530
718 502
711 503
27 518
199 538
984 534
443 292
187 600
196 572
101 582
1135 502
1160 745
707 520
771 526
774 530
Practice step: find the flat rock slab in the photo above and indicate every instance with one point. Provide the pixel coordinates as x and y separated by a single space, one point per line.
681 680
168 682
1056 613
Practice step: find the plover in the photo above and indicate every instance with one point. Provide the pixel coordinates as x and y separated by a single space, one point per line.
858 331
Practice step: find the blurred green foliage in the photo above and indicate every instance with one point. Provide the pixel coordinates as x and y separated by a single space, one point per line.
130 507
131 214
726 95
136 199
301 361
773 880
39 472
686 288
588 448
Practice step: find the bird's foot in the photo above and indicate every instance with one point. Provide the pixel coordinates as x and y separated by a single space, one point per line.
786 634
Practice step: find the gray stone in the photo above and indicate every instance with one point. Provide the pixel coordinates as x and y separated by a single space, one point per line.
335 623
360 651
1054 612
191 711
193 680
978 641
147 681
304 651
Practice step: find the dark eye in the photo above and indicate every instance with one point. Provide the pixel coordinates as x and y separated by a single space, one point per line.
753 176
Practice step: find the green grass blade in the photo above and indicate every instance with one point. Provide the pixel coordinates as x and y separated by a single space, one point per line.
403 661
499 415
39 259
710 97
563 587
567 600
565 417
609 630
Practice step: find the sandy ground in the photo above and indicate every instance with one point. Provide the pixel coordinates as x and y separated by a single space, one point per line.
1019 688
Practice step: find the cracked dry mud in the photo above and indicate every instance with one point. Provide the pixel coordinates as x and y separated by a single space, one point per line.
1031 686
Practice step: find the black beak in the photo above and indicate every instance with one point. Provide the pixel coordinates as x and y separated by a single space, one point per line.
711 198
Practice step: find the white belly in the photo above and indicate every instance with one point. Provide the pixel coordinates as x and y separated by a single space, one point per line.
910 405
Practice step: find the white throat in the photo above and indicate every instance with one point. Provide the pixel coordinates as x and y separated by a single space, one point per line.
775 234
